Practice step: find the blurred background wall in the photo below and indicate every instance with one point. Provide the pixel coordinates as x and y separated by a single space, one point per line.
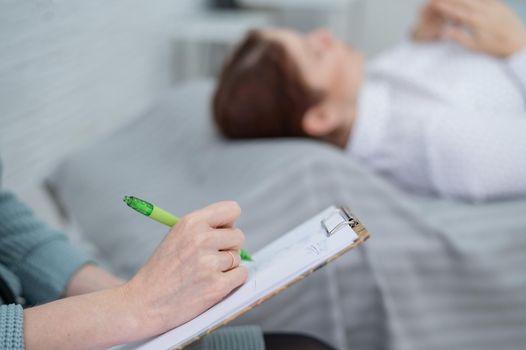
73 71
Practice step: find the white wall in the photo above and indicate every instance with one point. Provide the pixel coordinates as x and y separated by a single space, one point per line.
519 6
387 22
71 71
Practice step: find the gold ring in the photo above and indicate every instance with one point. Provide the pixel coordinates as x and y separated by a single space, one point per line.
233 259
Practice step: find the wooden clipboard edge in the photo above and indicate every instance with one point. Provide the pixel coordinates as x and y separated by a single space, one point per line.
358 228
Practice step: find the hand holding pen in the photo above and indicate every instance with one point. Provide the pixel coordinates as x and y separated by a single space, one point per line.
162 216
195 266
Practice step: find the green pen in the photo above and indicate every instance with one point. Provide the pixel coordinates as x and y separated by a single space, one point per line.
162 216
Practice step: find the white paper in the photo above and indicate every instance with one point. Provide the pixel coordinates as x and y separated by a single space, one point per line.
277 264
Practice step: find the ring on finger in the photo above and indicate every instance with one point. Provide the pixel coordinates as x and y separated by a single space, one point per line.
232 264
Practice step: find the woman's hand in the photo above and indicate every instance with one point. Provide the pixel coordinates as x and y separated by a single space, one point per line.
487 26
430 24
194 268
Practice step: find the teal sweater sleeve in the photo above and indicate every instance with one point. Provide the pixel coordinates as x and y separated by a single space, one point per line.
231 338
42 258
11 326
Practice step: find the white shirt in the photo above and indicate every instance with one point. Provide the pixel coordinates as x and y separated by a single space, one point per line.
438 119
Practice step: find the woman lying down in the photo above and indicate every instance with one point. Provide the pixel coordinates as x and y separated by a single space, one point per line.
431 115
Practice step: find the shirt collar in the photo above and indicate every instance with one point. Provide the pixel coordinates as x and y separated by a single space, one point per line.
370 124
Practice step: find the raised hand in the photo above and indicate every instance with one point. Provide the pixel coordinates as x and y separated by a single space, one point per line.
429 25
487 26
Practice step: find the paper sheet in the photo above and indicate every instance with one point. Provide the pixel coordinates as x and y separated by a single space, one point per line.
274 266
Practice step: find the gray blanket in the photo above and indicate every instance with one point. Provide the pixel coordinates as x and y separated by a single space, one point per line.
434 275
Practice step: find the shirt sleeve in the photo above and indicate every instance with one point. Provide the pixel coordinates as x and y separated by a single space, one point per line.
42 258
478 157
11 327
517 66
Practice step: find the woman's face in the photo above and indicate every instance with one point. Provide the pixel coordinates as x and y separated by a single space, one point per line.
327 64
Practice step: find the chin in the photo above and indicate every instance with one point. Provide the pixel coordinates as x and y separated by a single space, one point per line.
357 56
353 55
359 60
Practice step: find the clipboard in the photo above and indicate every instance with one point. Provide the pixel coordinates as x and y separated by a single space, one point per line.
336 227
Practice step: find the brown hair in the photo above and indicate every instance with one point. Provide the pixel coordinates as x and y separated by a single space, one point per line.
261 93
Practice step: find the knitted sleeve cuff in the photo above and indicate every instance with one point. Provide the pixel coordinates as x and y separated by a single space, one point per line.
232 338
40 257
48 269
11 327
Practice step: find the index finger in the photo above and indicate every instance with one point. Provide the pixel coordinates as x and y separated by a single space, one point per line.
221 214
466 5
460 10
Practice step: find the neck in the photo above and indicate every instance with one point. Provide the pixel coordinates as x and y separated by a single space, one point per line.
348 109
340 136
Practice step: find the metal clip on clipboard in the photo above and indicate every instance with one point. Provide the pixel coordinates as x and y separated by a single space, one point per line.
345 218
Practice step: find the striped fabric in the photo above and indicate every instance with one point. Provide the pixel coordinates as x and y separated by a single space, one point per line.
434 275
